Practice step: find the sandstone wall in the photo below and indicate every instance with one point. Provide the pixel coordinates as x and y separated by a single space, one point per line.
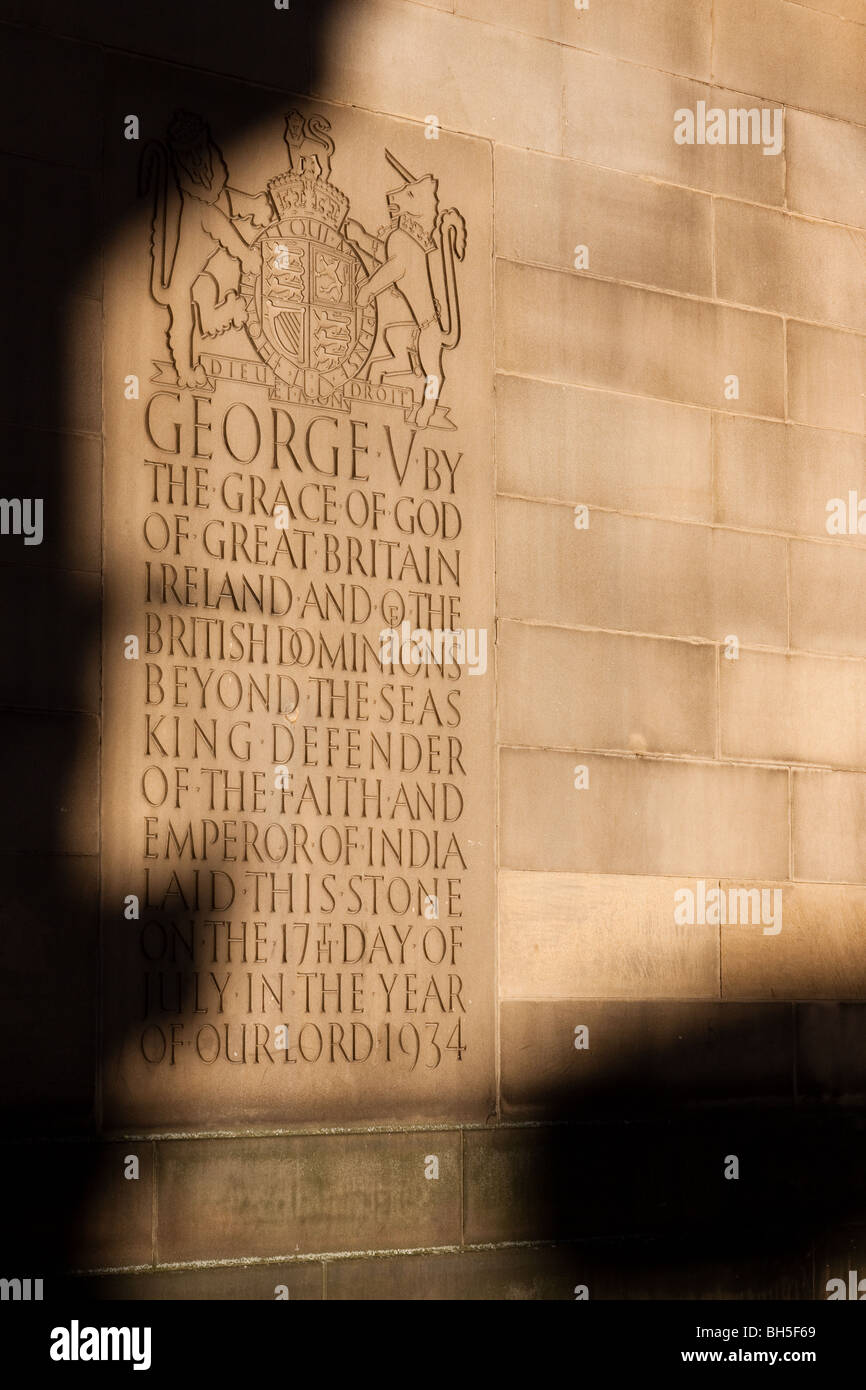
692 639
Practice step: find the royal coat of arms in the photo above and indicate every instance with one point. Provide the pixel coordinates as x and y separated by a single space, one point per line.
333 312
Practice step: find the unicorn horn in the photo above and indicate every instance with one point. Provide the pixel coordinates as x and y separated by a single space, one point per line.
395 164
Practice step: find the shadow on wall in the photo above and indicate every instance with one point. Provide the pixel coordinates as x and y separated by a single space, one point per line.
725 1137
639 1161
55 63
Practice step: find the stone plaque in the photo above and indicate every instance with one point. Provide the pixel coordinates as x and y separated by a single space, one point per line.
298 825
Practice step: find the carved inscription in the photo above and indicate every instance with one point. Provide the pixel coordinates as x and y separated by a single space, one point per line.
303 866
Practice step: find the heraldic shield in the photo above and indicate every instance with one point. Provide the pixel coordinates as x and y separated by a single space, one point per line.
303 314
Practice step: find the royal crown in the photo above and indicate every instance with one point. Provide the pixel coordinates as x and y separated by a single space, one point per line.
295 194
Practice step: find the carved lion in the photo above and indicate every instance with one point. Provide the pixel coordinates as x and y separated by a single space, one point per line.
194 214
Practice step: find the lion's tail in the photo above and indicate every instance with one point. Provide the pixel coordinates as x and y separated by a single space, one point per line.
452 231
153 178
